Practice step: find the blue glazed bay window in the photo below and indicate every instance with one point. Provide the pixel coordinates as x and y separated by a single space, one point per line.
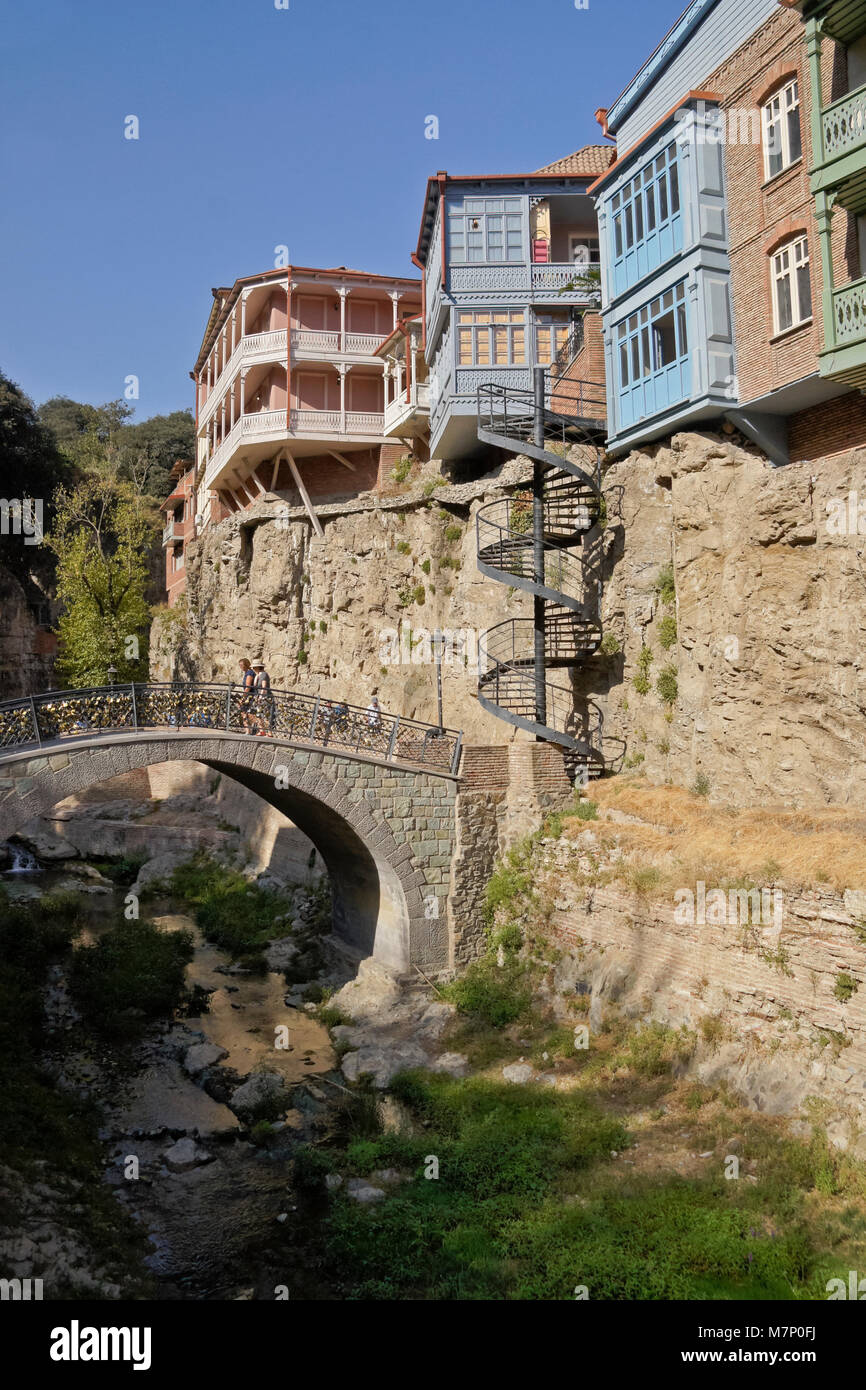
485 230
653 367
645 221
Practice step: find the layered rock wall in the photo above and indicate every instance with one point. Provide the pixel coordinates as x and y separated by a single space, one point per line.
768 664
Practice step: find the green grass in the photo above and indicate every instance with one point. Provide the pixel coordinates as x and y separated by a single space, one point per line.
123 870
231 912
497 995
667 632
402 468
666 685
665 585
510 880
640 680
501 1150
529 1203
133 973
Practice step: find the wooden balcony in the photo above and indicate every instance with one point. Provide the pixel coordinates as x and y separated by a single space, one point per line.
402 416
268 427
844 358
841 165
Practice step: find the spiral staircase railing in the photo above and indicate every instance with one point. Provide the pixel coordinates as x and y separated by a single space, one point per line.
545 541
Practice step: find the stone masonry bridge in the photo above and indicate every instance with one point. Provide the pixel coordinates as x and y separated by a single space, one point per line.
375 794
408 823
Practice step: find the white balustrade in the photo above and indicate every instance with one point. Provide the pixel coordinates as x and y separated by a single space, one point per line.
364 422
315 340
261 345
557 276
363 342
316 421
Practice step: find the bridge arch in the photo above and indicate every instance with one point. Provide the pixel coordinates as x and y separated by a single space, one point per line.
379 828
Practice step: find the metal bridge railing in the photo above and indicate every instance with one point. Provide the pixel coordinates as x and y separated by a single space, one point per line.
281 714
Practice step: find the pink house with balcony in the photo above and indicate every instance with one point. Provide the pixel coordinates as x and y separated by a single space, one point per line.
290 392
180 523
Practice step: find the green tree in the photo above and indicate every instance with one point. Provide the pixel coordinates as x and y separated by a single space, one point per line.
91 436
101 536
30 466
105 439
149 451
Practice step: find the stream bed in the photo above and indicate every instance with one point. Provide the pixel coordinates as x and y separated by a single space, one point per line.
183 1155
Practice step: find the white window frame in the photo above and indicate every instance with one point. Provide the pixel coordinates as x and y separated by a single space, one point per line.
486 231
785 264
583 239
471 321
777 113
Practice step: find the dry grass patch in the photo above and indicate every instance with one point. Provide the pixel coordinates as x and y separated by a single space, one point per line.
685 838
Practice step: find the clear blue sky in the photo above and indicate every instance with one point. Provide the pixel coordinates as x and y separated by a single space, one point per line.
258 127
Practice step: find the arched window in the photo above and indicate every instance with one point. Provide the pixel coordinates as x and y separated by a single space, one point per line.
783 144
790 273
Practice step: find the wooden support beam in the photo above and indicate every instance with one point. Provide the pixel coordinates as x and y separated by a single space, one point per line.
305 496
276 472
341 458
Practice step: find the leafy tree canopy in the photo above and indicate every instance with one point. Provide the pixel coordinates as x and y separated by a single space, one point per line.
30 466
104 439
101 536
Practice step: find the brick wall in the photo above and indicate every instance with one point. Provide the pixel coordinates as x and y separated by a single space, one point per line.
831 428
326 478
485 768
539 770
389 454
762 214
588 366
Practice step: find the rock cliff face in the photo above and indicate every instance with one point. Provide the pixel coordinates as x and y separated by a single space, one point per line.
325 612
764 683
27 651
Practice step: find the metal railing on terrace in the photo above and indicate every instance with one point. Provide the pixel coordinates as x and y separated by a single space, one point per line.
36 720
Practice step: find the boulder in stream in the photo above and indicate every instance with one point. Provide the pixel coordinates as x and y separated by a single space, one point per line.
185 1154
262 1096
383 1062
280 954
201 1056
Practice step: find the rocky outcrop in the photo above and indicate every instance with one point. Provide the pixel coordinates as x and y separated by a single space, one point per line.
27 648
325 612
777 1005
766 668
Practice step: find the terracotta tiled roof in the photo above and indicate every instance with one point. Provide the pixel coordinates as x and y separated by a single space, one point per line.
592 159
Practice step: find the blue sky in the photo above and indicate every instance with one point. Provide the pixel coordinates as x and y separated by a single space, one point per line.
258 127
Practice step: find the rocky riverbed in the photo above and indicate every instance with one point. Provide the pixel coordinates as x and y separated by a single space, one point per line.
201 1115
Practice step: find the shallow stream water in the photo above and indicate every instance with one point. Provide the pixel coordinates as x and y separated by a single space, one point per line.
218 1229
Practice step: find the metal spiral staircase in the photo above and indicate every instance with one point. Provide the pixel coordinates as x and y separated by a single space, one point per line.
548 545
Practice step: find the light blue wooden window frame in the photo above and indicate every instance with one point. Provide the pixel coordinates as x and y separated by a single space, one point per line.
647 384
498 237
645 217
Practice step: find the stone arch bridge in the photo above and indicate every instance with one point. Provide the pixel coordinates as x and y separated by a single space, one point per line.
375 794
